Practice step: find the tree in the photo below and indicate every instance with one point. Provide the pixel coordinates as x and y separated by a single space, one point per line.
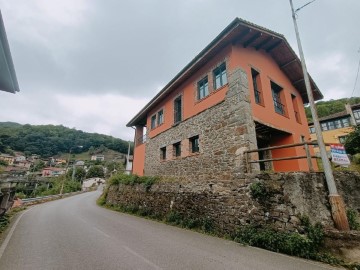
95 171
80 173
352 143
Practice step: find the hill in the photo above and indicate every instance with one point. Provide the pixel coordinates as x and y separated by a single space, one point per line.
325 108
50 140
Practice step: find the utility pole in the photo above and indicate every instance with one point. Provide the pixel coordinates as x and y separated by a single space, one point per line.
336 202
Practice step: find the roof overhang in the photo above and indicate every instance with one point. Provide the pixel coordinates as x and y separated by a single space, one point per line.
8 80
248 35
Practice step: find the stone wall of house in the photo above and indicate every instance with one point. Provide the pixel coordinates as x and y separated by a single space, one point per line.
224 131
228 204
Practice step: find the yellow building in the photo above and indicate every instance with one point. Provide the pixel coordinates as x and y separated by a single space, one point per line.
337 126
9 159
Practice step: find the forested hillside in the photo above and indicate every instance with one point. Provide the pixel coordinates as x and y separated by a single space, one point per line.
325 108
50 140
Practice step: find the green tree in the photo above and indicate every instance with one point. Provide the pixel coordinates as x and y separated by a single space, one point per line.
352 143
38 166
95 171
80 173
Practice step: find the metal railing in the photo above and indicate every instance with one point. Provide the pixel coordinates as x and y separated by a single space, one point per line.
308 155
49 197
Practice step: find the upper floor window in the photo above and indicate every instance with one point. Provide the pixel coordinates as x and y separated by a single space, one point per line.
153 121
219 75
178 109
296 108
357 116
203 88
256 84
194 144
312 130
276 93
160 117
342 139
335 124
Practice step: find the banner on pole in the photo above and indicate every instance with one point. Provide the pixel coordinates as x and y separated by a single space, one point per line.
338 155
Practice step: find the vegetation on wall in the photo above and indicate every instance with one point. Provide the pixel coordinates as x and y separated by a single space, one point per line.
352 143
50 140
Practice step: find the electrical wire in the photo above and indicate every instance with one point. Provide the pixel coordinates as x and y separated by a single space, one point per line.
357 75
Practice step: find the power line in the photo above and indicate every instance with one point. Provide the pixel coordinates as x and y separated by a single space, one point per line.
357 75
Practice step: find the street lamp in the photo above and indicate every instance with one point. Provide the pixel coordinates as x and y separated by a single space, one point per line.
336 202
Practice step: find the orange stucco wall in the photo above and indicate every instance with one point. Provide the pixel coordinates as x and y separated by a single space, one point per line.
139 160
245 58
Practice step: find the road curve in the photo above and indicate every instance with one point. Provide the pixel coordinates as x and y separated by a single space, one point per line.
74 233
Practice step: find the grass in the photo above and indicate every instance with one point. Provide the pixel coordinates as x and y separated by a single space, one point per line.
108 153
5 220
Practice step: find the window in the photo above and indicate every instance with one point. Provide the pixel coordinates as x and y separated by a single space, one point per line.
163 153
177 109
296 108
312 130
338 124
177 149
194 144
153 121
219 74
345 122
160 117
342 139
324 126
357 116
256 79
202 88
276 93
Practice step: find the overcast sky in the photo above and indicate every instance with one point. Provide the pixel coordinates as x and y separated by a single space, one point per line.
93 64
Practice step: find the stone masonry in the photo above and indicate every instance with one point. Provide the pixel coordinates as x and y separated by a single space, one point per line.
225 131
229 204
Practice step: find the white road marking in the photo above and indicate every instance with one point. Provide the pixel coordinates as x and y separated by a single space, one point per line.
142 258
100 231
8 237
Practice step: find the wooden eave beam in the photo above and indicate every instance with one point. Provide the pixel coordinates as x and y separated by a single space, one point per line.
251 40
298 81
242 35
262 44
288 63
274 46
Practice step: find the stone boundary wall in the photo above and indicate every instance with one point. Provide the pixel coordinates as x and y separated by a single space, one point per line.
229 204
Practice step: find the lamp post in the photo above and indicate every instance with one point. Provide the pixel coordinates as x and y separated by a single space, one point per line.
336 202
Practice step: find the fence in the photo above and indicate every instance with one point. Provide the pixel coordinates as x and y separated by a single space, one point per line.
308 156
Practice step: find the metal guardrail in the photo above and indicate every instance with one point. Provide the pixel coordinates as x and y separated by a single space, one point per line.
57 196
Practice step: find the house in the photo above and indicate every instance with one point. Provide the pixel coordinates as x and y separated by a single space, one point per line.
8 80
9 159
19 158
52 172
98 157
337 126
244 91
24 164
79 163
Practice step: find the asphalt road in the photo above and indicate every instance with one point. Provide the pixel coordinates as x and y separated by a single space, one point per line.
74 233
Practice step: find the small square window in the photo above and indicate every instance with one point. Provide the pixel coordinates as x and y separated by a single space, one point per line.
160 117
177 149
163 153
194 144
342 139
219 74
153 121
202 88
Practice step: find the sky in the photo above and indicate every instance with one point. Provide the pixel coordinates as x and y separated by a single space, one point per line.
93 64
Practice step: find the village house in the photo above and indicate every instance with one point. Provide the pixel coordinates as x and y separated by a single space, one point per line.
244 91
7 158
337 126
98 157
52 172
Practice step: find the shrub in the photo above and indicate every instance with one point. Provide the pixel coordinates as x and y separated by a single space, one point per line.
352 216
259 192
126 179
356 158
